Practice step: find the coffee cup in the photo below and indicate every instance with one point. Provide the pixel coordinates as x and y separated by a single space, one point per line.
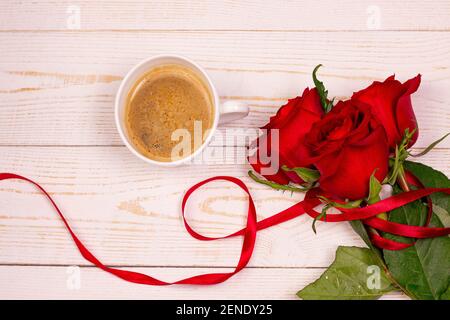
222 112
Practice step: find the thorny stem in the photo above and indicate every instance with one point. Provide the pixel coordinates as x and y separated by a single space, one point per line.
401 179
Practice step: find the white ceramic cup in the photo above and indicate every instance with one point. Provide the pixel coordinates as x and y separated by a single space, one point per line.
223 112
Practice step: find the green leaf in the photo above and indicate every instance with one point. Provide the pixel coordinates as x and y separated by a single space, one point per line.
323 215
374 189
446 294
374 194
360 229
423 269
433 179
430 147
274 185
306 174
442 215
354 275
323 93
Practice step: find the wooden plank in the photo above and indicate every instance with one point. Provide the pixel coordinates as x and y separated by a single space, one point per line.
58 88
26 282
56 102
128 213
226 15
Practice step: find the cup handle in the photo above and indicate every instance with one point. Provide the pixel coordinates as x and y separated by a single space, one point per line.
232 110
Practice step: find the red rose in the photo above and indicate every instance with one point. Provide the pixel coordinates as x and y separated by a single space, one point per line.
390 102
293 120
347 145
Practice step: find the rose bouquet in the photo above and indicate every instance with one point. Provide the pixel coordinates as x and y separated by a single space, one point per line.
352 155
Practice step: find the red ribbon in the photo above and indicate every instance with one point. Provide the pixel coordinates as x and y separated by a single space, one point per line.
366 214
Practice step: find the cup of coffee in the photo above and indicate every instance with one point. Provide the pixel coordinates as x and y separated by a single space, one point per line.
167 110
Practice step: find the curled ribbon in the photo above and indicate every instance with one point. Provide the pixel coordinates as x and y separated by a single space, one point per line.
366 214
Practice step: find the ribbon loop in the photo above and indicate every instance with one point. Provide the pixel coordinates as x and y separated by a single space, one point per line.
366 214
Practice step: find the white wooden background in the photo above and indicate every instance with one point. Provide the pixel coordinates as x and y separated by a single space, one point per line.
56 126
